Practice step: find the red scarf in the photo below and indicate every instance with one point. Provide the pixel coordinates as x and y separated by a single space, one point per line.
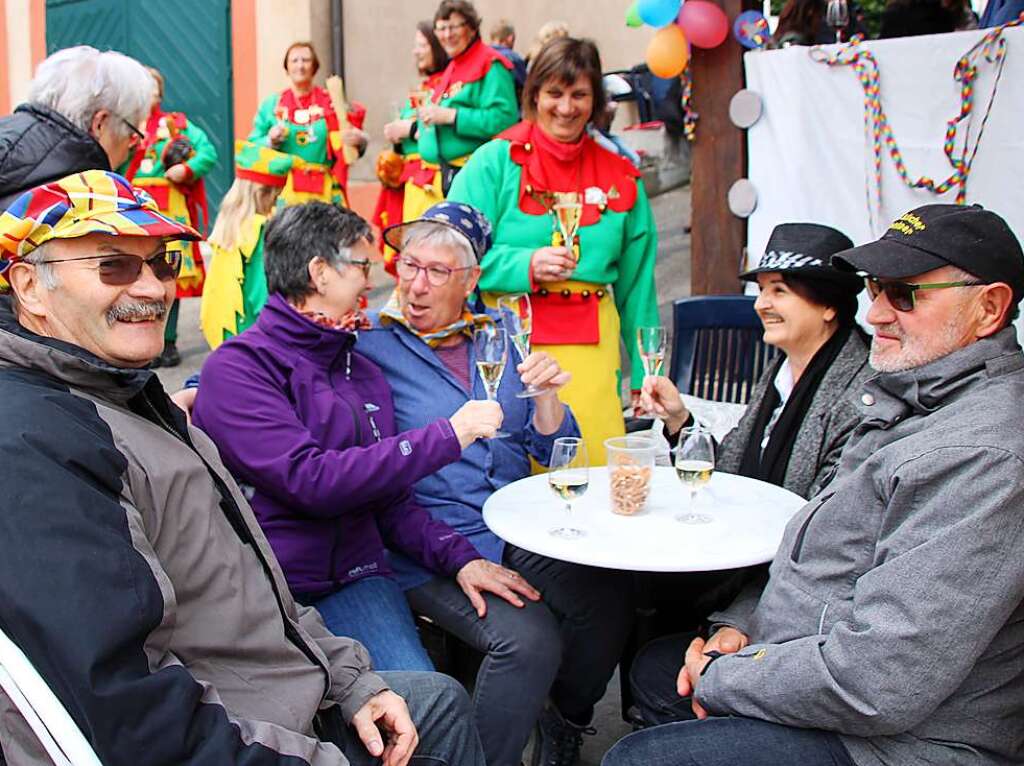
471 65
552 166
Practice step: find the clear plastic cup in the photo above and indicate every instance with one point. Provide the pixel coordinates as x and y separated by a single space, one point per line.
630 465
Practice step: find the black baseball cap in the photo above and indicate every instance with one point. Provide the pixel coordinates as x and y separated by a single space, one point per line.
932 236
804 249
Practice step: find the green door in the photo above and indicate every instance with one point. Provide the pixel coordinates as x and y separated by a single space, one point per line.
189 41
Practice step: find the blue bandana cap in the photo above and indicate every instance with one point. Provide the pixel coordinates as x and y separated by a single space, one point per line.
463 218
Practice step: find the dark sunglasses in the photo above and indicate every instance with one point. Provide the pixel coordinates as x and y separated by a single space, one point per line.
901 295
122 269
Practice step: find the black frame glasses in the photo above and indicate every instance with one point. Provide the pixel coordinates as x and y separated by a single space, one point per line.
138 136
902 295
438 276
122 269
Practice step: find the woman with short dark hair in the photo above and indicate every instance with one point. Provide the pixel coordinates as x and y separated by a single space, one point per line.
307 424
585 294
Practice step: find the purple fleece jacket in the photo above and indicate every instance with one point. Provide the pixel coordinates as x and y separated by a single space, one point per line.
309 424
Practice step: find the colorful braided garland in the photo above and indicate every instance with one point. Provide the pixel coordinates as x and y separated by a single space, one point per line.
992 46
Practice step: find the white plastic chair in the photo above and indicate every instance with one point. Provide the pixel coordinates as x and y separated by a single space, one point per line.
56 730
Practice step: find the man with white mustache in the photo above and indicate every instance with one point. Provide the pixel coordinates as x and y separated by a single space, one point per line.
133 573
891 629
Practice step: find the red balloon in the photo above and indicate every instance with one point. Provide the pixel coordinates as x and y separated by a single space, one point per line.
704 23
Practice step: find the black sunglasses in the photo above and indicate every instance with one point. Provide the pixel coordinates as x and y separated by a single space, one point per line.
120 269
901 295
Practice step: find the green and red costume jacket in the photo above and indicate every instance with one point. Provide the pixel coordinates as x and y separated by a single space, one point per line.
313 135
185 202
512 179
479 84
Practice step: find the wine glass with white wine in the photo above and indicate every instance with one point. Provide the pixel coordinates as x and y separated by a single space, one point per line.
651 343
517 314
695 463
490 347
568 477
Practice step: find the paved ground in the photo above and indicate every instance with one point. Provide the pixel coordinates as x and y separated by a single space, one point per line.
672 213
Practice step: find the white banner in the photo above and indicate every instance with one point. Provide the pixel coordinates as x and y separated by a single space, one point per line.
809 157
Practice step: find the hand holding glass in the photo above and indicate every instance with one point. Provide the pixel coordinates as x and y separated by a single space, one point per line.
517 314
695 463
490 346
651 343
568 477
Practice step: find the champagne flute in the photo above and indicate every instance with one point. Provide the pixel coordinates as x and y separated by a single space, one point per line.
837 16
651 343
695 462
568 477
568 212
517 314
490 346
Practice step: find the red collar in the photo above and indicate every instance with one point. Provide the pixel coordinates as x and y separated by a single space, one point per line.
469 66
289 102
603 180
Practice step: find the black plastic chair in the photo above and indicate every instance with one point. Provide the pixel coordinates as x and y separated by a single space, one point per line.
717 350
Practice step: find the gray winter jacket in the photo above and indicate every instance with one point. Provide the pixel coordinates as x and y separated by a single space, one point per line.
893 614
829 421
136 579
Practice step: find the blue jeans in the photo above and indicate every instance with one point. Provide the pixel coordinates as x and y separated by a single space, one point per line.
565 646
374 612
728 742
443 715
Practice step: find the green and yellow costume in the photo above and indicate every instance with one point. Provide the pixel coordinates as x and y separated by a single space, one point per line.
236 284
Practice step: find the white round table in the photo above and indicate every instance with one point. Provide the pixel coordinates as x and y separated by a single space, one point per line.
748 520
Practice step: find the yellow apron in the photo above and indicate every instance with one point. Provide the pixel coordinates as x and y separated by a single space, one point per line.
191 275
328 191
418 199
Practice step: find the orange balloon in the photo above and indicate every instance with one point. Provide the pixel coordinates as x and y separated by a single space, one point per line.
668 52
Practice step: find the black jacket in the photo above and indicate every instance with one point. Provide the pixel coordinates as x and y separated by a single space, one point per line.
38 145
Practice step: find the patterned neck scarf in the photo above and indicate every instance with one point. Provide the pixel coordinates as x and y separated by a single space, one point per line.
466 324
351 321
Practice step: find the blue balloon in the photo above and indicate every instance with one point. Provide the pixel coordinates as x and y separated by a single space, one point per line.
658 13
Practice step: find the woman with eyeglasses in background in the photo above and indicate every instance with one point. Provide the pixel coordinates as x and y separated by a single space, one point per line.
169 161
473 100
306 423
401 166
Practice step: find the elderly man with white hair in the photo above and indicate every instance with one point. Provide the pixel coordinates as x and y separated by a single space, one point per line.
564 647
82 114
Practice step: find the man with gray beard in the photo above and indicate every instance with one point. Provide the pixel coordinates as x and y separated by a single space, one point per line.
133 573
890 631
